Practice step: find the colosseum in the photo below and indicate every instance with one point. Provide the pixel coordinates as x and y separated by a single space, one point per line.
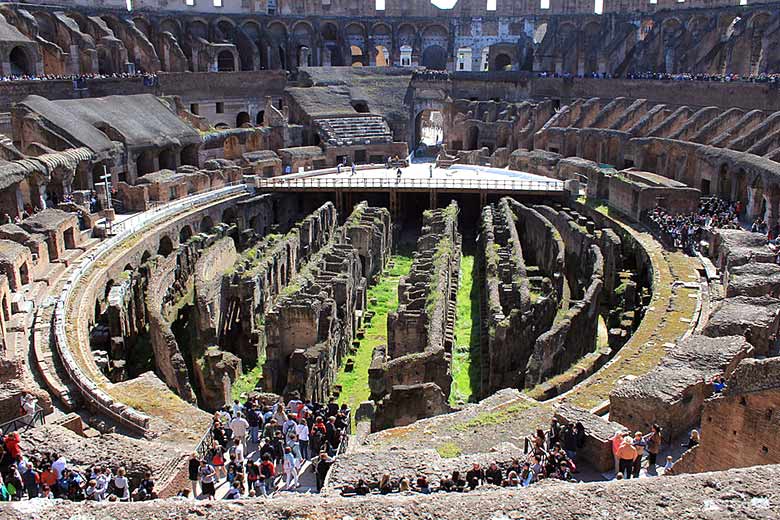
379 259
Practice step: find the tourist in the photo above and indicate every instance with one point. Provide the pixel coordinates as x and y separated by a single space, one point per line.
321 470
145 490
626 454
527 475
669 464
569 441
403 485
693 440
302 432
639 444
653 440
422 485
254 420
475 476
268 472
493 475
193 470
208 477
237 452
361 488
31 480
269 430
121 486
290 469
617 442
385 485
718 383
217 457
234 493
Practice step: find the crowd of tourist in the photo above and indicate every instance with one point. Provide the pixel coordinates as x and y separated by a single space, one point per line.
50 475
80 79
258 450
629 451
667 76
548 454
684 231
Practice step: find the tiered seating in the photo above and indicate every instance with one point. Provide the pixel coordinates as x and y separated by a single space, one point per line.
367 129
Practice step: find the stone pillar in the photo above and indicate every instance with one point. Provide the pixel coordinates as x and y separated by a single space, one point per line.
753 207
771 215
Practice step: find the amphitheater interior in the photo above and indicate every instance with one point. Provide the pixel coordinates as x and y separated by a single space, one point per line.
465 223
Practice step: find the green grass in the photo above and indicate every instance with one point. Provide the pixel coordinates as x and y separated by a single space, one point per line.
449 450
465 359
247 382
355 384
494 418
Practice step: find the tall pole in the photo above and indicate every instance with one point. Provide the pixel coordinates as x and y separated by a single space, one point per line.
106 178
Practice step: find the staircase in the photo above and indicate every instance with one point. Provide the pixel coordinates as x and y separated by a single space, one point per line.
341 131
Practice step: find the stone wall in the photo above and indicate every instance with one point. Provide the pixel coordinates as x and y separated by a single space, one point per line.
739 426
421 332
311 325
516 315
672 394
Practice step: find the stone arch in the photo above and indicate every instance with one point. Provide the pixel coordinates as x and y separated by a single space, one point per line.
742 183
243 118
145 257
502 61
230 216
303 41
357 55
189 155
198 28
206 223
435 35
226 28
143 25
167 159
278 41
20 62
356 36
185 233
171 25
329 34
434 57
165 246
226 61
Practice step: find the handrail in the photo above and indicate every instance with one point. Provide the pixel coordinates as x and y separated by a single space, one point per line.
409 183
23 423
87 387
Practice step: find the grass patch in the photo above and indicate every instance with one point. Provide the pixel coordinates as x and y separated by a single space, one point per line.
247 382
494 418
449 450
355 384
465 358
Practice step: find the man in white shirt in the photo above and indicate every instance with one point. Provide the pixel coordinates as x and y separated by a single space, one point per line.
302 431
240 426
58 465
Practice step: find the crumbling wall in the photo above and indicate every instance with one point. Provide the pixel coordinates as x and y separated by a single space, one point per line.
516 316
672 394
420 334
311 325
739 426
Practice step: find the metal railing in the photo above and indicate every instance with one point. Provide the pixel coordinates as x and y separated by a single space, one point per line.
408 183
24 423
89 390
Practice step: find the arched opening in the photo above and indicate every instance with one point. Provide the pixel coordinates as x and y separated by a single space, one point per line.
206 224
357 55
166 246
189 155
184 234
382 56
145 162
20 62
502 62
24 274
724 182
167 159
472 138
145 257
242 119
360 107
260 121
434 58
225 62
229 216
428 130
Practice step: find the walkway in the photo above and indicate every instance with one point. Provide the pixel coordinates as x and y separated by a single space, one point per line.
415 177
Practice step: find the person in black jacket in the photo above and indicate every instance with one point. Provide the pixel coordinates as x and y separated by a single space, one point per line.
493 475
192 473
323 465
475 476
